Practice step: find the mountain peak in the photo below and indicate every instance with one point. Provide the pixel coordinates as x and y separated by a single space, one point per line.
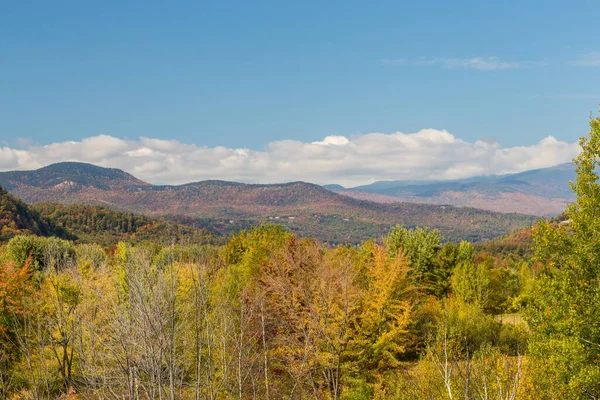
82 169
69 175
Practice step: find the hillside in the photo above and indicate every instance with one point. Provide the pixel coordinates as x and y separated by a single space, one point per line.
543 192
17 218
96 224
91 224
518 244
226 206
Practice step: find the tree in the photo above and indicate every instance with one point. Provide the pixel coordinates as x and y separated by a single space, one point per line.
563 309
438 280
44 252
470 281
421 246
382 331
61 297
14 285
313 297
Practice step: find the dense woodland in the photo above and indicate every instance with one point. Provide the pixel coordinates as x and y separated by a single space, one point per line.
106 227
269 315
92 224
17 218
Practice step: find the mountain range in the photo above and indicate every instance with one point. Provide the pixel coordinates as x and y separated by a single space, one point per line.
541 192
304 208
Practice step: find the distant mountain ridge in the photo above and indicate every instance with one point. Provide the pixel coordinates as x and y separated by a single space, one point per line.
70 174
543 192
304 208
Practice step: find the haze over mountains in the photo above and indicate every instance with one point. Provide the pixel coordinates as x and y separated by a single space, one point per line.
227 206
542 192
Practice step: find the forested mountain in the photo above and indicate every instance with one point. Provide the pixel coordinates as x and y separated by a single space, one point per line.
304 208
71 175
96 224
17 218
91 224
543 192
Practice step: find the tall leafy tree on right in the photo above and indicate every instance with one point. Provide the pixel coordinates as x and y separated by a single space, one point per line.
563 310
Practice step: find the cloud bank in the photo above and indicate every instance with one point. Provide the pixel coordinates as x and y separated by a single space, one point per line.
427 154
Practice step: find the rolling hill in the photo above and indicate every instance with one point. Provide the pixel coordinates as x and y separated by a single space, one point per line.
100 225
91 224
304 208
542 192
17 218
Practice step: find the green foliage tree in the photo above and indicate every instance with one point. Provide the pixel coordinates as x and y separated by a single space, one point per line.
44 252
438 280
420 245
563 309
470 280
503 288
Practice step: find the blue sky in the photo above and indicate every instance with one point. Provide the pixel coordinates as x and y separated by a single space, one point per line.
246 74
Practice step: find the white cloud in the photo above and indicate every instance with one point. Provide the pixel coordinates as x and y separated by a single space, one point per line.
427 154
588 60
479 63
333 140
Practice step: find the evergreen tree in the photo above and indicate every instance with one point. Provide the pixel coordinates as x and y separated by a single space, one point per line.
421 246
